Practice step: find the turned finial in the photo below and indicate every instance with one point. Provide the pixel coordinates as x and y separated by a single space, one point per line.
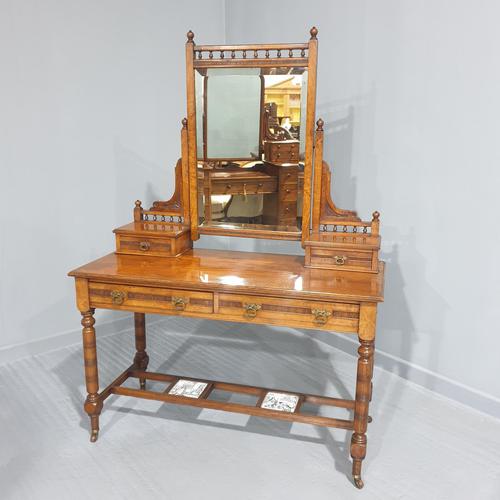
314 32
190 36
138 203
319 125
375 216
184 122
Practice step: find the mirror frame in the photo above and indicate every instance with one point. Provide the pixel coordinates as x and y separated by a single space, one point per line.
251 56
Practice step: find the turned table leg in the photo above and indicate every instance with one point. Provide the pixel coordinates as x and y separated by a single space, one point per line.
363 393
141 358
93 404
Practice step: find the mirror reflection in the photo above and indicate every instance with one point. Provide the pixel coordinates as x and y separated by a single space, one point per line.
250 148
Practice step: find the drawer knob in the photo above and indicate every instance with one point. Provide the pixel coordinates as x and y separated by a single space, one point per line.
118 297
179 303
321 316
340 260
251 310
228 186
144 246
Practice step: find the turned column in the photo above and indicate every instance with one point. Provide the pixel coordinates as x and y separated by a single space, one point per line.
141 358
93 404
367 320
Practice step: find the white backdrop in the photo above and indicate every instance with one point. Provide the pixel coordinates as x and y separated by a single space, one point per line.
92 94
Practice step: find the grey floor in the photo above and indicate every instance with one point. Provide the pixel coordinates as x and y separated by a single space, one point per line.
420 445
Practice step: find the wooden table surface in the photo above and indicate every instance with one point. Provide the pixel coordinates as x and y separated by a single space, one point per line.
248 272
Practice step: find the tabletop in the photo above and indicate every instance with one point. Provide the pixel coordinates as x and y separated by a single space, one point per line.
238 272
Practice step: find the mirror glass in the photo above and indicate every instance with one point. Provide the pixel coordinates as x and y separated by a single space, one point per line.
250 125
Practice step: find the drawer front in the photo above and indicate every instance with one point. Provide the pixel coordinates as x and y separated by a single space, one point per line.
285 147
289 312
282 152
333 258
143 246
289 176
140 298
288 193
284 157
288 210
232 187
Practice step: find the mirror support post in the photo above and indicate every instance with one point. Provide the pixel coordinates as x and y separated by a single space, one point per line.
191 136
318 172
311 109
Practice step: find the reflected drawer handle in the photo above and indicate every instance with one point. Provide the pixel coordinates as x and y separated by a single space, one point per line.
179 303
321 316
118 297
251 310
144 246
340 260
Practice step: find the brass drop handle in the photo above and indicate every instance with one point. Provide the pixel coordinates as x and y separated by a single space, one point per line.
179 303
118 297
251 310
321 316
340 260
144 246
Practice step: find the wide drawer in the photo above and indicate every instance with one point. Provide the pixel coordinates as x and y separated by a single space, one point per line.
333 258
289 312
239 187
141 298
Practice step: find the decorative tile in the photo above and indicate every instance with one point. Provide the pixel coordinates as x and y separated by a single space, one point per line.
280 401
188 388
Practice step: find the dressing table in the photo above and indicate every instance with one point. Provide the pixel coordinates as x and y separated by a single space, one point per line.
236 150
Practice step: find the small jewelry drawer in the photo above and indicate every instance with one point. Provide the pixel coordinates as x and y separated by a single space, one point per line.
281 151
342 258
289 312
144 246
149 299
157 246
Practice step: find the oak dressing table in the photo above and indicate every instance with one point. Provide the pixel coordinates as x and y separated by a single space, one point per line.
336 285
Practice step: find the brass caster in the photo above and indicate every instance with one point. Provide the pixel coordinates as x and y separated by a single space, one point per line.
358 482
93 436
370 419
